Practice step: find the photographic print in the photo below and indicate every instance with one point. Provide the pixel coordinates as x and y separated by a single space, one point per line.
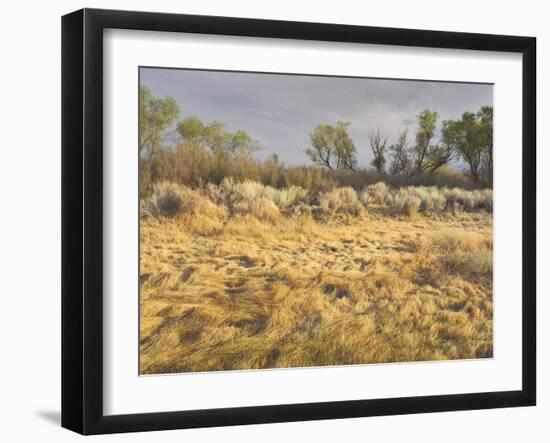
291 221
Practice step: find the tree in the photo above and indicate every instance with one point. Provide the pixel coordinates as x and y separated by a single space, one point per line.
401 162
192 130
345 149
378 142
215 137
241 141
485 116
426 156
472 138
322 150
425 132
332 146
439 155
155 116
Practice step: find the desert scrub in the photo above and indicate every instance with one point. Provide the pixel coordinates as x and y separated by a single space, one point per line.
342 201
231 192
171 199
376 194
267 203
432 199
264 209
412 205
165 200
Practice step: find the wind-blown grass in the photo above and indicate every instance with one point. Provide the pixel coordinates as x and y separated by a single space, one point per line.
244 276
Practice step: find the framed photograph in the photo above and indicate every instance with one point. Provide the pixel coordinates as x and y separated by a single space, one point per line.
269 221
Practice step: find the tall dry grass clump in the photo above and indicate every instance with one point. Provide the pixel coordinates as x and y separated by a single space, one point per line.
466 254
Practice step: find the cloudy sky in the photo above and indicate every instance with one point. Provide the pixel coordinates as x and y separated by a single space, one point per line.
281 110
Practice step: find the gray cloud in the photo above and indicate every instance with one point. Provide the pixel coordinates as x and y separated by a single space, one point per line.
281 110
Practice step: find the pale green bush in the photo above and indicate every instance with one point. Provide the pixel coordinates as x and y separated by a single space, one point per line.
374 194
250 190
232 193
167 199
171 199
341 200
264 209
412 205
286 197
433 199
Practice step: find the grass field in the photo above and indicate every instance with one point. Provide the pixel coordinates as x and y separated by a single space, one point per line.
237 291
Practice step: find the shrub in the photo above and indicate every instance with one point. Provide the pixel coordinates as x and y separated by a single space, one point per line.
314 179
285 197
412 205
170 199
249 190
232 193
433 199
400 199
264 209
484 200
194 165
165 200
376 193
302 210
341 200
215 193
228 193
438 201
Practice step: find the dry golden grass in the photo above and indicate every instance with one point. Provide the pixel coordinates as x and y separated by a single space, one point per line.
227 293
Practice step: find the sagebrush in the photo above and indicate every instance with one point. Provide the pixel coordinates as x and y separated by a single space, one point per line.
232 197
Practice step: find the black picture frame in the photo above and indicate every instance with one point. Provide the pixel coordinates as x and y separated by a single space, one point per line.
82 219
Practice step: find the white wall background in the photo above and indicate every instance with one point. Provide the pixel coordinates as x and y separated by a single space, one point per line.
30 219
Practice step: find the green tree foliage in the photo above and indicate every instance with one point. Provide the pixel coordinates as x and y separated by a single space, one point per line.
322 149
155 116
472 138
192 130
332 147
485 116
241 141
427 156
378 143
425 132
215 137
208 152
